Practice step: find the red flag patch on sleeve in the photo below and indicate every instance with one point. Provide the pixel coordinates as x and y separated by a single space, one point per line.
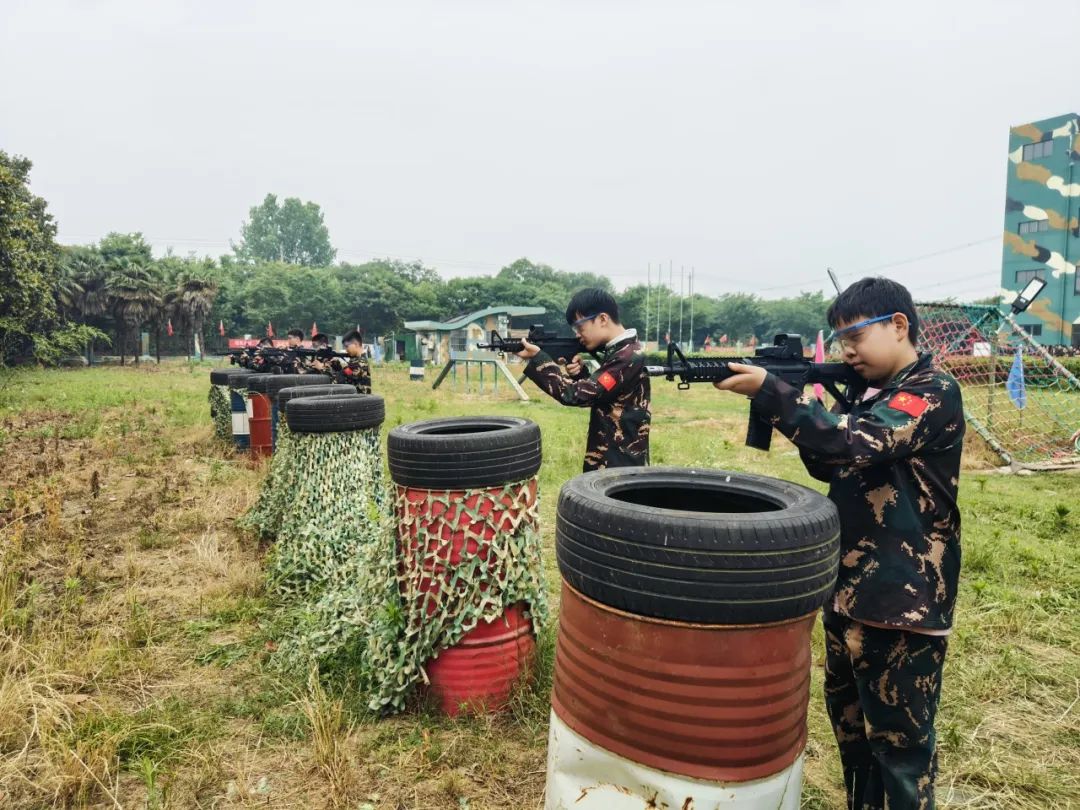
910 404
606 380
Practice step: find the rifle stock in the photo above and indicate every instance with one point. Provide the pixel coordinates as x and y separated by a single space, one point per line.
561 349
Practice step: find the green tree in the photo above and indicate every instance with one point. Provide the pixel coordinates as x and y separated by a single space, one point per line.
28 260
739 316
136 295
803 315
291 232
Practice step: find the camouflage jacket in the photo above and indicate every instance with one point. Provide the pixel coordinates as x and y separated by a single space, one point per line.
617 392
352 371
893 468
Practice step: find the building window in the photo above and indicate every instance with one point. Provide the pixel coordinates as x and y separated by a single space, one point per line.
1033 329
1034 151
1034 226
1024 276
1076 284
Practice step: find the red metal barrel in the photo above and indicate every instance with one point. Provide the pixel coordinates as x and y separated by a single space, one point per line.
444 530
261 434
722 703
478 673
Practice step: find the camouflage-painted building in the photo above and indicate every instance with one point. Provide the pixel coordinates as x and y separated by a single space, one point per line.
1042 226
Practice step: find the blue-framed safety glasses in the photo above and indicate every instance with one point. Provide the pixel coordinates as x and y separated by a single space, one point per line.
847 330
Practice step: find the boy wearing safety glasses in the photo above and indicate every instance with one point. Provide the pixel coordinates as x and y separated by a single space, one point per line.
617 392
893 467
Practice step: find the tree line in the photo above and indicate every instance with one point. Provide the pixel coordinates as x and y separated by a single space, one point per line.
57 299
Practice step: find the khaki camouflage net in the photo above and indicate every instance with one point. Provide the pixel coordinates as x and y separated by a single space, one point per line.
264 518
383 615
319 510
221 412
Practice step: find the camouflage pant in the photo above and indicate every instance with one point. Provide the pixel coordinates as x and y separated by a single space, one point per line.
881 691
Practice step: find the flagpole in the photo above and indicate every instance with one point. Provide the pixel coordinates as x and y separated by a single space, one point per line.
648 286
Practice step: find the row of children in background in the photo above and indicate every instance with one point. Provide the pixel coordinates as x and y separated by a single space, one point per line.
354 369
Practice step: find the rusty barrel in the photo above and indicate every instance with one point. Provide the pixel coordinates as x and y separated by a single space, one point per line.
683 658
279 382
463 485
261 436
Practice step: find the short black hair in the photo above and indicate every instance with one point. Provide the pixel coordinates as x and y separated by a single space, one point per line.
295 333
592 301
319 337
871 298
351 336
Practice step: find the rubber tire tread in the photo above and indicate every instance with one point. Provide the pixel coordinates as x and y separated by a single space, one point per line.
704 567
239 379
220 376
335 414
328 390
280 381
422 456
257 382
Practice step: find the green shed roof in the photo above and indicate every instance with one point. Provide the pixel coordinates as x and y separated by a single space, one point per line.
465 320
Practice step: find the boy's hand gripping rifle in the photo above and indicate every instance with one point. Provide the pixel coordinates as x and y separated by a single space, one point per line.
784 359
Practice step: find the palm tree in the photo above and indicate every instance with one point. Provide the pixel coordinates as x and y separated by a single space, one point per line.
195 298
83 290
134 292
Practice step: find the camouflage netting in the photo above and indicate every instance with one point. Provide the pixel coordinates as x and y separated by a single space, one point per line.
221 412
979 346
264 518
383 614
324 496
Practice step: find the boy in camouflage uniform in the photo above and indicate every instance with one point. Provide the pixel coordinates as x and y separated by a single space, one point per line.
353 370
316 364
617 392
893 467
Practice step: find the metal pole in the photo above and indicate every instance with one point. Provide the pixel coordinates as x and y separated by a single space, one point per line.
670 284
659 286
648 286
682 296
691 309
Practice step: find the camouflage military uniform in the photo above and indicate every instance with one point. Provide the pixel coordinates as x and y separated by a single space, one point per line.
893 466
617 392
352 371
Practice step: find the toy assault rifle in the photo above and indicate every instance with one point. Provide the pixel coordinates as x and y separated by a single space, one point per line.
277 355
784 359
561 349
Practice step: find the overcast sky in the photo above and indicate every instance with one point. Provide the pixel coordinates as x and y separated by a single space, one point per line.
758 142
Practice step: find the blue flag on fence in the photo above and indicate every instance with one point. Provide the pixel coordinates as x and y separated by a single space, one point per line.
1015 384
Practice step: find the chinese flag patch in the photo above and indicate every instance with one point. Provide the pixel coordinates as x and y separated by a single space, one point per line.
606 380
908 403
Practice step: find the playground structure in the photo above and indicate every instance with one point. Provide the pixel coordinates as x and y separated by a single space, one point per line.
473 364
979 346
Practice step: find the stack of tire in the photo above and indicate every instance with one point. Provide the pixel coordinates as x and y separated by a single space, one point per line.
333 478
458 481
265 516
276 383
683 661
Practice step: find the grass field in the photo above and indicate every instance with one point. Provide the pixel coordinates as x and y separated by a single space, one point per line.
134 627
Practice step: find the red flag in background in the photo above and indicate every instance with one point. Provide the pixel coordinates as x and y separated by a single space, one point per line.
221 328
314 329
168 328
269 329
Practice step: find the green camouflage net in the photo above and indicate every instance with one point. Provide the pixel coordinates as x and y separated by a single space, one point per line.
221 412
320 510
384 614
264 518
